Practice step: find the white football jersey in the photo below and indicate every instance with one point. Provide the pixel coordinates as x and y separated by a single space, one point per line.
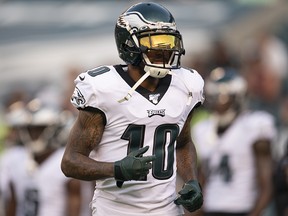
40 190
231 185
7 160
152 119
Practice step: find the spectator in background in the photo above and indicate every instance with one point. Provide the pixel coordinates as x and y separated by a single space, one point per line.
221 56
265 67
234 149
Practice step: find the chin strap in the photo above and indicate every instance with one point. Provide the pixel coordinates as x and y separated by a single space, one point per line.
129 94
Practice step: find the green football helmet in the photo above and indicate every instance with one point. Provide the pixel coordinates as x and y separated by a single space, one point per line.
145 30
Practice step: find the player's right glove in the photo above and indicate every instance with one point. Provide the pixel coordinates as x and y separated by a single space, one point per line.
191 197
134 166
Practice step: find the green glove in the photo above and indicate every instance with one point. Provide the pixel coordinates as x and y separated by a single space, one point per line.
190 196
133 167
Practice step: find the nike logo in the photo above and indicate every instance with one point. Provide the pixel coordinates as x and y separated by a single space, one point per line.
81 78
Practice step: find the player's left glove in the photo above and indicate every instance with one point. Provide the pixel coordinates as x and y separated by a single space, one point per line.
190 196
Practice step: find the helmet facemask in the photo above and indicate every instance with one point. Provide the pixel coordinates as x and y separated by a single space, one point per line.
147 28
161 51
37 138
38 130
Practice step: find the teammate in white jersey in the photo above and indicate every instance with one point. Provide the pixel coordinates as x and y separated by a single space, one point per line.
34 183
234 147
135 120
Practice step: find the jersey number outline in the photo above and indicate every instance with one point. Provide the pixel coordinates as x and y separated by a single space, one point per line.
163 146
31 202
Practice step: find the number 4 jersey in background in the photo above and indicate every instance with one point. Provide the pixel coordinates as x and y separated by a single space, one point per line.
228 160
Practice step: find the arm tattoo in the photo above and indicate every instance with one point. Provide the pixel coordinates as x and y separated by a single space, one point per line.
85 135
90 129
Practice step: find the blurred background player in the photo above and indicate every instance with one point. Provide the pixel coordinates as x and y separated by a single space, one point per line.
35 185
234 146
13 147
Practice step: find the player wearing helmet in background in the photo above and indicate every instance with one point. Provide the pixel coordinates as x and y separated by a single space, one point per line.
233 144
32 181
14 149
132 133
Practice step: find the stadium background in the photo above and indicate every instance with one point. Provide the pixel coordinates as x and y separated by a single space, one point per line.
41 40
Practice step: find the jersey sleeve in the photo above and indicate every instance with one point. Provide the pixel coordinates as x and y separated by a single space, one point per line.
262 124
195 84
200 87
84 95
92 88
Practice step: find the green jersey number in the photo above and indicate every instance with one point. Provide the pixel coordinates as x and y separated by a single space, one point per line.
163 146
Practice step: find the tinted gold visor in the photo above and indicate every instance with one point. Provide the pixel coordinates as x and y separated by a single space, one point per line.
161 41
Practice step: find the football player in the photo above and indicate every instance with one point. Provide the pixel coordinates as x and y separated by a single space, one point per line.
13 150
35 184
135 119
235 152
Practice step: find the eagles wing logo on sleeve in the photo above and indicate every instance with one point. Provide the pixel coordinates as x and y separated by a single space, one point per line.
78 98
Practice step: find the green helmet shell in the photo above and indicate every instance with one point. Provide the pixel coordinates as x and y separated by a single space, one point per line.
141 17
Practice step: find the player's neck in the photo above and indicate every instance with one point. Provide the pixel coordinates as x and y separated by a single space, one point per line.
40 158
150 83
